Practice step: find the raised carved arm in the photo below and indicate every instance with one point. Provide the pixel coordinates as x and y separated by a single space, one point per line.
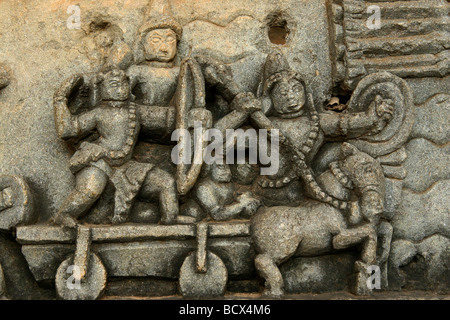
353 125
68 125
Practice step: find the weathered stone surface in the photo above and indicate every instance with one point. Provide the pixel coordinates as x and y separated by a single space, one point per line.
44 260
319 274
140 287
432 119
424 89
393 196
18 280
423 214
422 265
426 164
4 77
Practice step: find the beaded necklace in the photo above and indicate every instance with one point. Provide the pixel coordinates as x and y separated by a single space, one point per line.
301 169
131 131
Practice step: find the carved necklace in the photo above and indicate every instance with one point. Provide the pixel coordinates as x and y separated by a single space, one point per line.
120 154
302 170
341 176
299 156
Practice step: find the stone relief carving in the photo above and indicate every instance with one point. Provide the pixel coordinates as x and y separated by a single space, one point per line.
342 188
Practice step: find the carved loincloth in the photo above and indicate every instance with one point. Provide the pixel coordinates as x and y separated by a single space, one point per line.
126 175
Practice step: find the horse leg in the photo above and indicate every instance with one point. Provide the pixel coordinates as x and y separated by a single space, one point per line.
384 234
268 269
350 237
402 253
276 234
365 234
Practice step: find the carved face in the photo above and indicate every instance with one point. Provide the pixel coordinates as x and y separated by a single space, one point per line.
288 96
115 87
160 45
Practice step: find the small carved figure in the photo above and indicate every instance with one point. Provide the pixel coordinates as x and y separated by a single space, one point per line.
117 123
216 194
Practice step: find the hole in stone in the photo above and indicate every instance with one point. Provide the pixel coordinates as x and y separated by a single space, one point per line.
99 25
278 28
277 34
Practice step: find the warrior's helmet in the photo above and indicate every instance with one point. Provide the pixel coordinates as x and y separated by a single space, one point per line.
276 68
160 17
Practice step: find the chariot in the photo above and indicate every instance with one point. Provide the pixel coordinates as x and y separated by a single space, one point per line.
201 256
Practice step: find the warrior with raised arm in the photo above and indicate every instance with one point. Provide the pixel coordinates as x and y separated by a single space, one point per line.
117 123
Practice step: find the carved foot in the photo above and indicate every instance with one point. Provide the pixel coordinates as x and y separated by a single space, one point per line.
118 218
65 220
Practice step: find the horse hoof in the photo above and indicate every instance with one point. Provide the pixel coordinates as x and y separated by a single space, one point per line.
363 285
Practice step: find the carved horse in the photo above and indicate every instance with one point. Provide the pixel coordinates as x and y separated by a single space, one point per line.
315 227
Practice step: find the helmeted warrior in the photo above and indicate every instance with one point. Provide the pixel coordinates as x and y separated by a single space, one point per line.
157 69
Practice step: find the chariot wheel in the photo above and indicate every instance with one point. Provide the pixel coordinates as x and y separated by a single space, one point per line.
212 283
89 288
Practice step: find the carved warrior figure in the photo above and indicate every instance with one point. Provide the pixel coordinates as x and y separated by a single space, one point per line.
159 35
319 227
117 123
320 223
285 96
290 108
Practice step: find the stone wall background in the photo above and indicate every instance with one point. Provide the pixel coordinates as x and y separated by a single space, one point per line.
41 52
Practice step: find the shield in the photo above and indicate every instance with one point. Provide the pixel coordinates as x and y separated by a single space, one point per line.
398 129
190 95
